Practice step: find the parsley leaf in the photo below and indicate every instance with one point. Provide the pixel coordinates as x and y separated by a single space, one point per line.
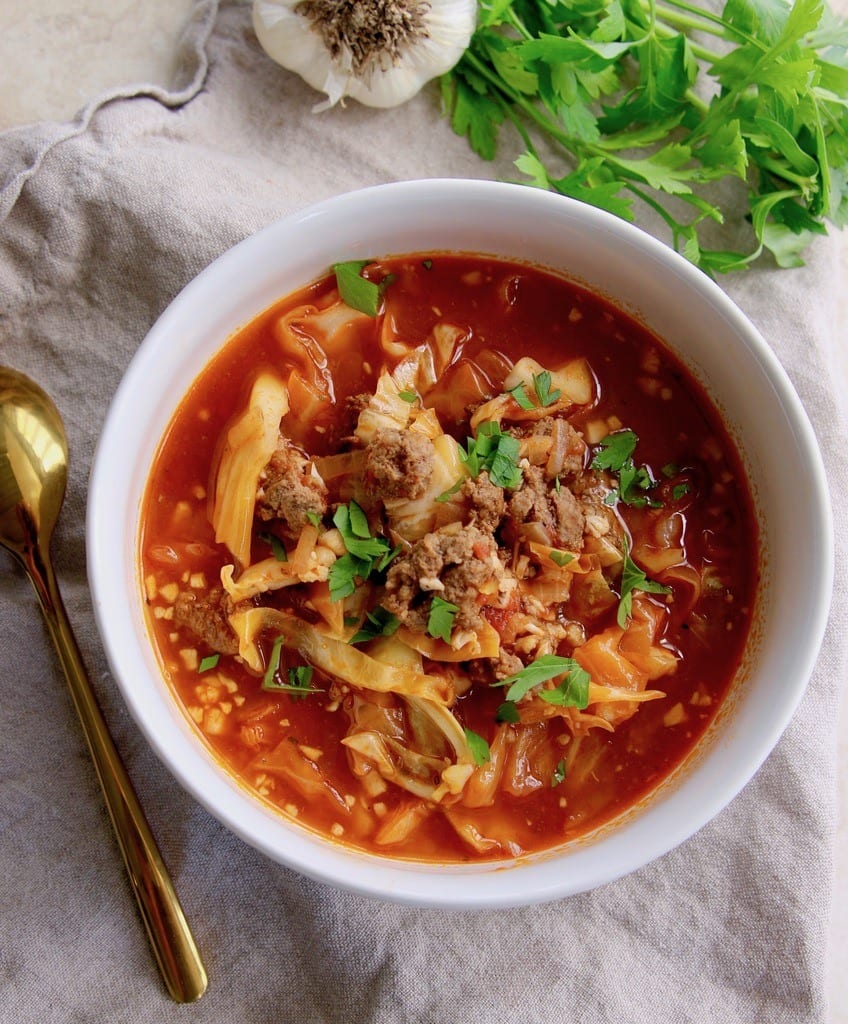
521 396
561 558
558 774
625 91
365 554
273 666
344 573
277 547
209 662
615 450
299 676
615 453
542 387
478 746
355 290
633 578
377 623
299 682
507 712
573 691
495 451
451 491
440 619
408 396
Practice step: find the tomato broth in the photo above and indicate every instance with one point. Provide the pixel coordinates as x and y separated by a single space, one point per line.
545 638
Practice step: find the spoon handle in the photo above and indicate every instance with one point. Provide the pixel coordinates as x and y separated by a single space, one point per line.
170 936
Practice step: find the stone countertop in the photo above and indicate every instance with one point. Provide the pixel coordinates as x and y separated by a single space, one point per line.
55 55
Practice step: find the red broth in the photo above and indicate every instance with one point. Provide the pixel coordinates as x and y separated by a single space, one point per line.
561 769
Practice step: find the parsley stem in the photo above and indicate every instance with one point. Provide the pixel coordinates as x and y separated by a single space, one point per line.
701 52
695 100
657 207
783 173
518 24
725 31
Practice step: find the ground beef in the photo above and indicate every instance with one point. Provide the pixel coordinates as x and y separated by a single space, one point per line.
591 492
486 502
206 615
486 671
559 512
398 464
570 520
353 406
453 563
289 490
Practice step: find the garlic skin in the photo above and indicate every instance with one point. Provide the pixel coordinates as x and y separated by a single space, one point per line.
294 35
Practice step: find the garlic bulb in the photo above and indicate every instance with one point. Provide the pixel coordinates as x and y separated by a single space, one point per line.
380 52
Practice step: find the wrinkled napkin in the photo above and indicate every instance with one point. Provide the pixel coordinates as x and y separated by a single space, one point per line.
103 221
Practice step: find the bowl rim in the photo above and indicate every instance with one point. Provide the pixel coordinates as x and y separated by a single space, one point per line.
411 882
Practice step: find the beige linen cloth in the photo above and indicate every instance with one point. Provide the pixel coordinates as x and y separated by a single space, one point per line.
103 222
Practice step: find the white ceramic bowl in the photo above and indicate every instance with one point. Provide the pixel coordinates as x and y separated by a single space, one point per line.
685 308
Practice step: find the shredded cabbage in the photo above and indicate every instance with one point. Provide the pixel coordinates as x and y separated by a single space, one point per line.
249 443
332 655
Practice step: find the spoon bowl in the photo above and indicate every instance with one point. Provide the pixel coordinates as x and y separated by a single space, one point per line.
33 476
34 466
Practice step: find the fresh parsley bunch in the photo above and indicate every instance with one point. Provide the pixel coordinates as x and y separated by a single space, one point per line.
640 107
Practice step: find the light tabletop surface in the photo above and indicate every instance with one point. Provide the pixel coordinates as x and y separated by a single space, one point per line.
55 55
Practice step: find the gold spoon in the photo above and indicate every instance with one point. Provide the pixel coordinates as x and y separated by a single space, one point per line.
33 474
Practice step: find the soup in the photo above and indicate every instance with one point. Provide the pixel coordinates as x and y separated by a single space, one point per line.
448 559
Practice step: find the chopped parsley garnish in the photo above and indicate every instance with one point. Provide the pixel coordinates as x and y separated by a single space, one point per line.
561 558
277 547
408 396
616 455
669 470
558 774
427 264
573 690
365 553
679 490
269 679
542 388
377 623
521 396
440 619
495 451
478 746
633 578
451 491
615 450
355 290
299 677
507 712
343 575
209 662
